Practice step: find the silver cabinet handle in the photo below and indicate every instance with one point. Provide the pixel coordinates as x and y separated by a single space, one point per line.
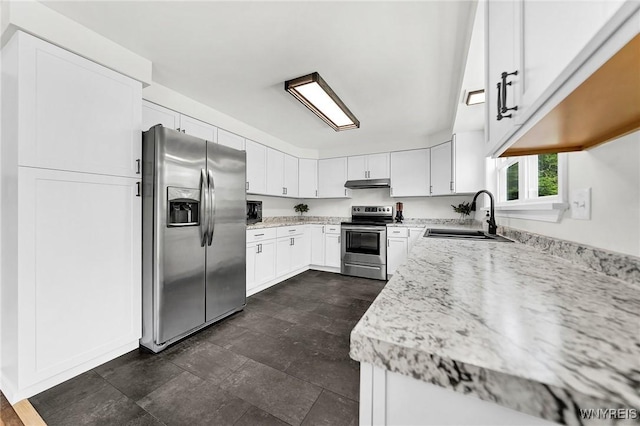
286 190
316 192
138 161
138 184
203 213
451 186
257 248
345 192
258 235
246 186
431 189
212 207
290 241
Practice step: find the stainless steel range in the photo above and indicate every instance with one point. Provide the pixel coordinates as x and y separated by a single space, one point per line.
364 247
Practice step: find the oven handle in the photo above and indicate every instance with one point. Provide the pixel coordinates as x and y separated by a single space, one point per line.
363 266
363 228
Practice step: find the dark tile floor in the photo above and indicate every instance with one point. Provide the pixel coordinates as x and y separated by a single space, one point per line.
283 360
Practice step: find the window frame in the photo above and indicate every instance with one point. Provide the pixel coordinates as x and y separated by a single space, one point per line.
529 205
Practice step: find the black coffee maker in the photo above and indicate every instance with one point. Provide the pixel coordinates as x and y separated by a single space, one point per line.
399 216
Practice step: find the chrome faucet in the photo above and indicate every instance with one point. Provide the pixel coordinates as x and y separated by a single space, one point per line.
492 221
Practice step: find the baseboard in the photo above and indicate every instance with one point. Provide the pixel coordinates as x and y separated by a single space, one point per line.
275 281
14 395
325 268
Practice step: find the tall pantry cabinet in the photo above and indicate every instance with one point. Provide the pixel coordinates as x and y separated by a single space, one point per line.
71 215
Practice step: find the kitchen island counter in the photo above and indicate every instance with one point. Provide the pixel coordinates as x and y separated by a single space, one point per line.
509 324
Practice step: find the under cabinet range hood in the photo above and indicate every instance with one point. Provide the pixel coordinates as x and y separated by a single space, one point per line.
368 183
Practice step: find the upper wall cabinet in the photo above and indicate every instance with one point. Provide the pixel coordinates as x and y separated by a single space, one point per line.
230 139
290 180
441 169
153 114
372 166
410 175
275 173
468 162
548 63
197 128
332 174
256 168
307 178
88 110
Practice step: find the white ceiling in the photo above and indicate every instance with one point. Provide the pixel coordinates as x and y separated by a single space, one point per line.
397 65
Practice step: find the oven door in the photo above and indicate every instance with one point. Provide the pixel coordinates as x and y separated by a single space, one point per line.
364 244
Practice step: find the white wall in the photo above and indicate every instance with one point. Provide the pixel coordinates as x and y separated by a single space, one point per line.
612 171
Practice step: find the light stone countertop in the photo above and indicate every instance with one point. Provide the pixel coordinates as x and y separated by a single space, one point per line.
509 324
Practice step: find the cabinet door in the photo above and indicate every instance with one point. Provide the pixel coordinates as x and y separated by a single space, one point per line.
79 267
357 167
74 114
300 252
502 54
290 176
230 139
256 168
396 253
332 174
283 256
307 178
553 34
332 250
378 166
252 250
153 114
275 172
469 162
441 168
197 128
317 245
266 262
410 173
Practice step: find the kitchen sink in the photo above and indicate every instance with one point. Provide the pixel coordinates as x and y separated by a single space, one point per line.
464 234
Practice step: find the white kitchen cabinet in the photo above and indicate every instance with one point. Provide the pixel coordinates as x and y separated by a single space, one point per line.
301 251
283 255
256 167
414 235
410 173
441 169
197 128
372 166
317 244
290 180
71 237
357 167
307 178
332 175
275 172
74 114
230 139
332 255
468 162
292 254
397 249
78 262
261 264
153 114
502 54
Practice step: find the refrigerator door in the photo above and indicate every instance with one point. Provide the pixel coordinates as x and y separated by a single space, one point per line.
180 222
226 243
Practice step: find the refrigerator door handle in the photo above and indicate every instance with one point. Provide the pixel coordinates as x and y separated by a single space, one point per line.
212 208
203 213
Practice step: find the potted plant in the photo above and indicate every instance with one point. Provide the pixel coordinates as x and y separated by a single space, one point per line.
464 209
301 208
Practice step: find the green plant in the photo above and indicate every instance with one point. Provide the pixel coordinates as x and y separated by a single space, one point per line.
301 208
463 208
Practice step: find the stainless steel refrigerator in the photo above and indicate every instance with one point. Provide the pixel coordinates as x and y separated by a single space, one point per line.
193 238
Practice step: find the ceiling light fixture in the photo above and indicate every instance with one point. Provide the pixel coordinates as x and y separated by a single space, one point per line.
475 97
316 95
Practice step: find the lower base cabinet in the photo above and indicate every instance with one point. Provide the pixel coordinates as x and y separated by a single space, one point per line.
332 253
399 243
261 263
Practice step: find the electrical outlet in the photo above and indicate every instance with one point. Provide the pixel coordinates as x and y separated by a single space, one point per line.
580 204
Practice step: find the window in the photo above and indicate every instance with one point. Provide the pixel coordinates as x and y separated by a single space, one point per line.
531 187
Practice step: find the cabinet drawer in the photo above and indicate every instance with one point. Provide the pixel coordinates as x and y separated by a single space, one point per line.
261 234
332 229
396 232
289 231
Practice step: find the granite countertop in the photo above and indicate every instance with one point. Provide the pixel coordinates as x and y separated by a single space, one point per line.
273 222
509 324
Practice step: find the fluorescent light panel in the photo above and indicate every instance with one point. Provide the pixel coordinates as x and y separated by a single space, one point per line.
312 91
475 97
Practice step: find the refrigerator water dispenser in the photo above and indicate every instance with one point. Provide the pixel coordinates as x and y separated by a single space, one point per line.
184 206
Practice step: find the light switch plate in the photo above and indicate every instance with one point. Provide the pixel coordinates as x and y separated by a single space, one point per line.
580 203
